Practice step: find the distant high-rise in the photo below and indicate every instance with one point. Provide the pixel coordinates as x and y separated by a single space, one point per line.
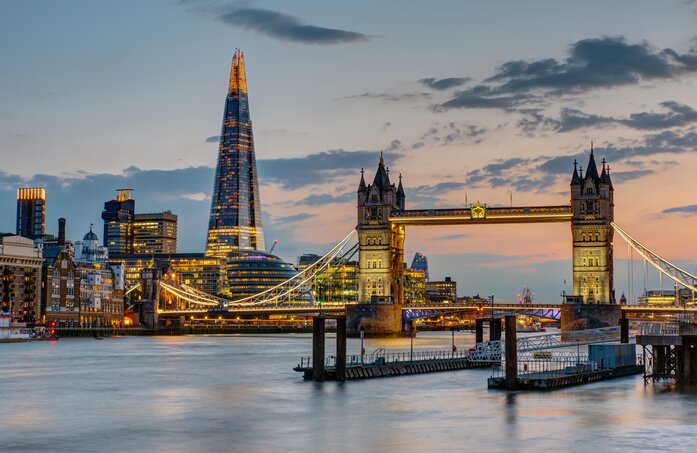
155 233
126 232
235 220
31 212
118 218
420 263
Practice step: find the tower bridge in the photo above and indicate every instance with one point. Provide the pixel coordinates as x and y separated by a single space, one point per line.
382 220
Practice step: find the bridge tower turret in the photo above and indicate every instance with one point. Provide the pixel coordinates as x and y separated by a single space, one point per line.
375 203
592 203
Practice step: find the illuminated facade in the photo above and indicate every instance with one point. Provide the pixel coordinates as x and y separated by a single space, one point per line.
193 269
235 218
155 233
126 232
414 286
250 272
31 212
375 234
442 291
592 203
118 217
336 284
20 278
420 262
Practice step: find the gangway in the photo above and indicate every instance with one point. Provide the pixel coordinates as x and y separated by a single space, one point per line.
489 351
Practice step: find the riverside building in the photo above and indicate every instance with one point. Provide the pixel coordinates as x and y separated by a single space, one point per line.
20 278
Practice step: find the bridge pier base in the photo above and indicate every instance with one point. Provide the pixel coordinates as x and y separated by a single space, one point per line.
377 320
318 334
478 330
589 316
511 352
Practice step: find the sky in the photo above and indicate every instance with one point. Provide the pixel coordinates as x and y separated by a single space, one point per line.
486 101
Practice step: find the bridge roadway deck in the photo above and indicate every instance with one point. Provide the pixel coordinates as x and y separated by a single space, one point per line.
339 309
486 215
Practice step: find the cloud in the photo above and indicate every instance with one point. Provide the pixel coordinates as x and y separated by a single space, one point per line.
285 27
325 199
590 64
448 133
319 168
689 210
451 237
572 119
212 139
197 196
80 199
293 218
444 84
387 97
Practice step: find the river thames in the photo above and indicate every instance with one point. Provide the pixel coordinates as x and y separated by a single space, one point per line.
239 393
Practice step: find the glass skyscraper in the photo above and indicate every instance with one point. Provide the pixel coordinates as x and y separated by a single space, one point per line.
235 221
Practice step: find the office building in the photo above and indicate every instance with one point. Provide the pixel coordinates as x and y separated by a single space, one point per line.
441 291
31 212
235 217
128 232
118 218
155 233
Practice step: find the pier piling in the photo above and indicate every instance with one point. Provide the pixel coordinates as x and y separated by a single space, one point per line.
624 330
495 329
511 352
318 331
341 348
479 330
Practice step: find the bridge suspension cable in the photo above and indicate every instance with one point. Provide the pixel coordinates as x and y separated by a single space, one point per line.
283 292
665 267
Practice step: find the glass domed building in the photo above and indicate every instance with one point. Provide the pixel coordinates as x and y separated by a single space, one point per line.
249 272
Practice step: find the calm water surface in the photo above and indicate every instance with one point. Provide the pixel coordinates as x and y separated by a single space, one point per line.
239 393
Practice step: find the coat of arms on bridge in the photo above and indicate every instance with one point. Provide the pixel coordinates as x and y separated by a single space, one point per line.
478 211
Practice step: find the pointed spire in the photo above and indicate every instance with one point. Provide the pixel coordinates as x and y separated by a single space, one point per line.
592 169
238 78
608 181
382 179
580 172
362 187
603 173
400 189
574 178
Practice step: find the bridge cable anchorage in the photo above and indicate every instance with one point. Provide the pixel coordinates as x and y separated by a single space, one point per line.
277 295
665 267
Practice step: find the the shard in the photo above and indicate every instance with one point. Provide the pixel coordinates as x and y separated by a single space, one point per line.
235 220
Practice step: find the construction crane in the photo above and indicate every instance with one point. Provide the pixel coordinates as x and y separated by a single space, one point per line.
273 246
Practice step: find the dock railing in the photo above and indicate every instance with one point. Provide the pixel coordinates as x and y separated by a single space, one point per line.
381 357
559 364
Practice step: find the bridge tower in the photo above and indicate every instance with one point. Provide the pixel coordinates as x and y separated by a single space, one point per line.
592 203
381 250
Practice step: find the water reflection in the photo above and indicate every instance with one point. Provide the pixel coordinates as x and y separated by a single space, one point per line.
239 393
